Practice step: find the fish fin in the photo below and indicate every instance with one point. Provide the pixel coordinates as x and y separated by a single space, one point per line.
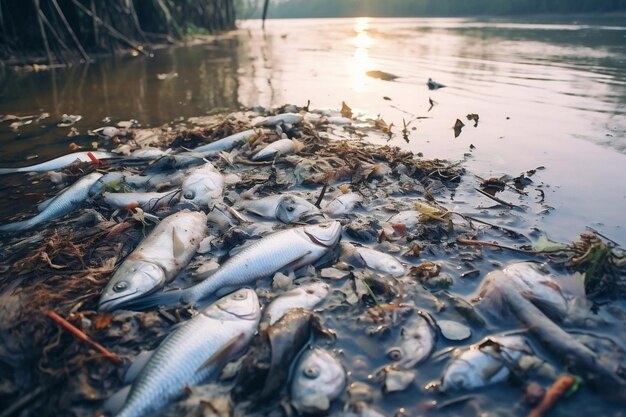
223 353
42 206
116 402
178 246
167 298
572 285
139 362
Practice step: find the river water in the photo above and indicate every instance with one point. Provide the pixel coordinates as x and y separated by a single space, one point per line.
549 92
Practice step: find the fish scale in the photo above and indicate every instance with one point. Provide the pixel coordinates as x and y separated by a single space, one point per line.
261 259
180 358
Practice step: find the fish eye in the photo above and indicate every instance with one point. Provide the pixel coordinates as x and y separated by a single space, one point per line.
239 296
189 195
394 354
290 208
311 372
120 286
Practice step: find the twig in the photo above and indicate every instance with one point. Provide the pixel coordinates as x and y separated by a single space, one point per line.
82 336
496 199
471 242
321 196
19 404
70 31
42 30
553 395
111 29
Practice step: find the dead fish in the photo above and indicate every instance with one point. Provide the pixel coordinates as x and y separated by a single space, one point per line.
280 147
65 202
287 118
193 353
318 379
416 342
287 208
281 251
375 260
264 370
203 186
146 201
224 144
306 296
557 297
485 363
61 162
343 204
157 259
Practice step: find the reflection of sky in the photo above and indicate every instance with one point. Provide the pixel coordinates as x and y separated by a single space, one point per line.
360 62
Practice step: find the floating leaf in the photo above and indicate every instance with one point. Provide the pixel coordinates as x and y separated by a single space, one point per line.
381 75
346 111
545 244
474 117
458 126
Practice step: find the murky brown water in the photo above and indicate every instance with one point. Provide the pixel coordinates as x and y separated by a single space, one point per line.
548 94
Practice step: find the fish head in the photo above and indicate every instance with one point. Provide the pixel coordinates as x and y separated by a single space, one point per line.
292 209
318 379
324 234
132 280
461 376
202 191
243 304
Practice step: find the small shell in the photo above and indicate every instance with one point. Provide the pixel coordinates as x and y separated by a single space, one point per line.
453 330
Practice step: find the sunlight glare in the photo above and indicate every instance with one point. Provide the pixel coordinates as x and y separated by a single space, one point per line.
360 59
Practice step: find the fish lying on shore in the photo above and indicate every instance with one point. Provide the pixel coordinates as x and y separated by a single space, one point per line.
224 144
306 296
65 202
203 186
343 204
485 363
193 353
416 342
287 208
280 147
318 379
285 250
146 201
157 259
381 262
288 118
61 162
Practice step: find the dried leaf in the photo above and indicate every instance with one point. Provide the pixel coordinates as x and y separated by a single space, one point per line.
346 111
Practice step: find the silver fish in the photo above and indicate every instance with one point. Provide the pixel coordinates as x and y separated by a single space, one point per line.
281 251
157 259
60 162
343 204
305 296
146 201
224 144
485 363
288 118
318 379
379 261
417 341
66 201
287 208
203 186
280 147
194 352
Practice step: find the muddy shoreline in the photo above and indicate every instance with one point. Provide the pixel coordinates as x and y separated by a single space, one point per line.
64 266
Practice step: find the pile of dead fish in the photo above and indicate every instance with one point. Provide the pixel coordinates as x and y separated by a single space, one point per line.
282 236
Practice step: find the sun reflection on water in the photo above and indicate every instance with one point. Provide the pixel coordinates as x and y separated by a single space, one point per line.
361 61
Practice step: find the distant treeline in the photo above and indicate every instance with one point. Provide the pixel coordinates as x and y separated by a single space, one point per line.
67 31
349 8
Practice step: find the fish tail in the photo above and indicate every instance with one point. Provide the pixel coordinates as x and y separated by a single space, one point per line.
16 226
8 170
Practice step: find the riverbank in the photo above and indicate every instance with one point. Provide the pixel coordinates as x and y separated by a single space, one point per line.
409 209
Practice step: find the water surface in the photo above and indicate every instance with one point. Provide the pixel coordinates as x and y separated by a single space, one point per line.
550 92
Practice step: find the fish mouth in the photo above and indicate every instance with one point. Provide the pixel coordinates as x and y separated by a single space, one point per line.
335 235
111 303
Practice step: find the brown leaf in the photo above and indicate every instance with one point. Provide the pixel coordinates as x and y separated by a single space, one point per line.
346 111
102 321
